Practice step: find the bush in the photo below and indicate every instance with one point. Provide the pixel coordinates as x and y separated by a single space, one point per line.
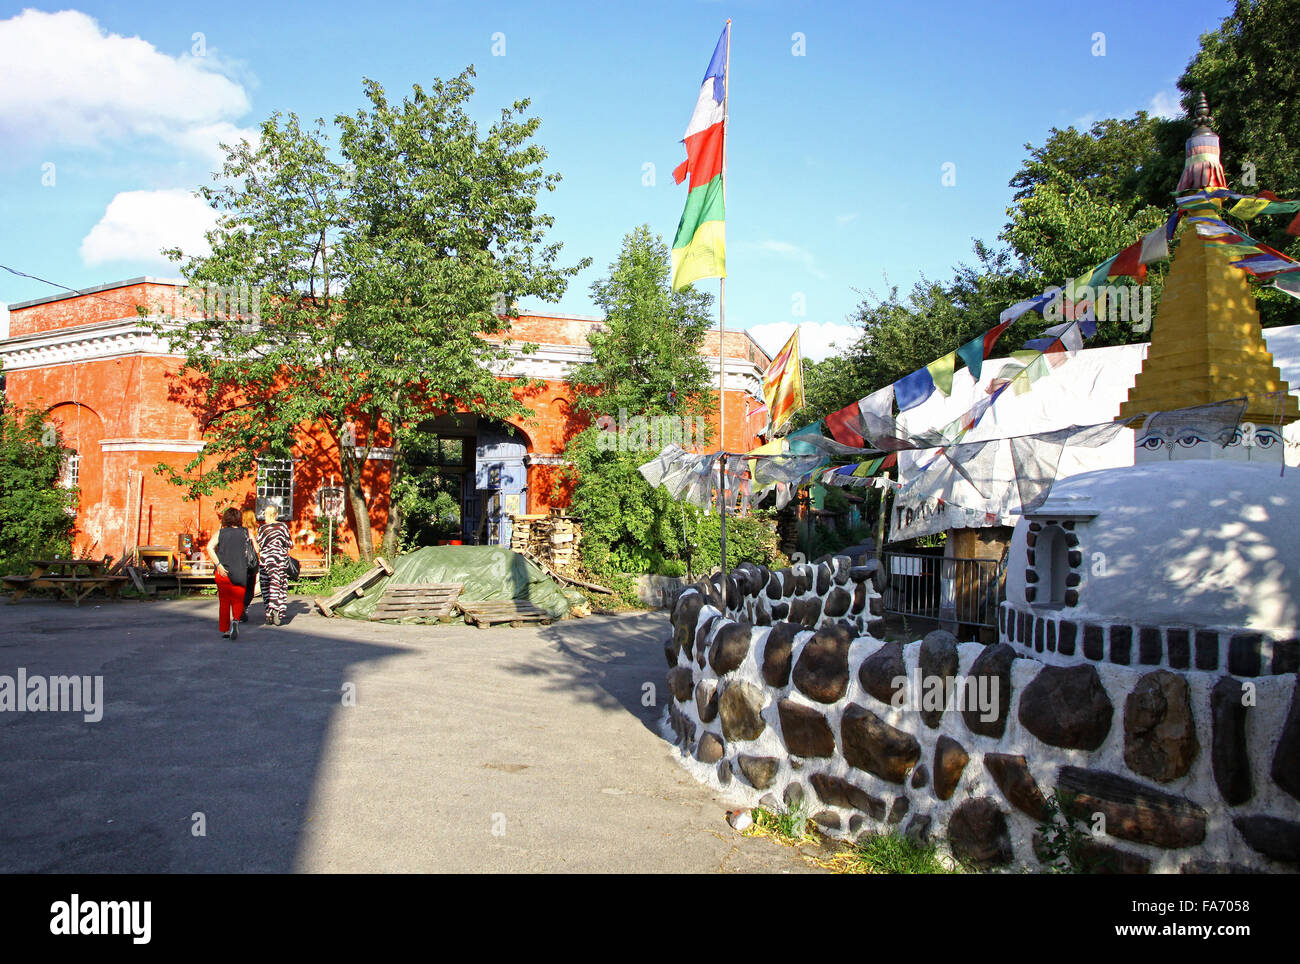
37 515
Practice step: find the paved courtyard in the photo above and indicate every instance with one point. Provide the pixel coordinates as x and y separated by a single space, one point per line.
466 750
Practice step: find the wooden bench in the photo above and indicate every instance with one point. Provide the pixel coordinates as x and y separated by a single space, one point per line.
433 600
75 588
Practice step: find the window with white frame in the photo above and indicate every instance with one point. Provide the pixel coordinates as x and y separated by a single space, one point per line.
275 485
70 474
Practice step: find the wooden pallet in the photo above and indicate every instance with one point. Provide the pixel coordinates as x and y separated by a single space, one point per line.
357 587
430 600
516 612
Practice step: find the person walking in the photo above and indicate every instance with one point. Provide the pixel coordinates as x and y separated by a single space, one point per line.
249 521
233 554
274 540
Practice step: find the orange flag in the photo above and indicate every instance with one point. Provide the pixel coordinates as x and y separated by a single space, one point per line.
783 383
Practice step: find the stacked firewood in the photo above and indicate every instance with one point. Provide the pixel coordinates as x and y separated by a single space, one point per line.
554 539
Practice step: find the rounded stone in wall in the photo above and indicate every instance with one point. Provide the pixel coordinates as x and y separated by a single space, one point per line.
706 700
774 586
777 653
920 776
859 598
938 658
823 579
872 745
977 833
1159 735
687 610
1229 756
990 675
822 672
1067 706
740 708
837 602
671 649
1285 769
803 578
881 669
760 771
710 748
898 810
1011 773
838 792
950 759
724 772
680 683
827 819
730 647
804 730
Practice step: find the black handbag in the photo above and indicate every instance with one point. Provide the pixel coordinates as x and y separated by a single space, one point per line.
250 553
294 567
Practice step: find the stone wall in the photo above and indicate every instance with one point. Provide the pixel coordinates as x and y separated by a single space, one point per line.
782 693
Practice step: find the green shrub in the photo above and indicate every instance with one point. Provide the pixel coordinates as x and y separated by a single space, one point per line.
341 573
37 514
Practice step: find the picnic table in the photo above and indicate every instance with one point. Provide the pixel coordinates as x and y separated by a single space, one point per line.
66 575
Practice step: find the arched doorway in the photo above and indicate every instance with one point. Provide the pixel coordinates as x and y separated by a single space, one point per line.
474 465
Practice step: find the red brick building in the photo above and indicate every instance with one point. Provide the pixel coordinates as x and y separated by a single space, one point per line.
100 372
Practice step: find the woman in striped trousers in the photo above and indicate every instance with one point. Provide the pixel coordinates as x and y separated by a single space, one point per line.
274 541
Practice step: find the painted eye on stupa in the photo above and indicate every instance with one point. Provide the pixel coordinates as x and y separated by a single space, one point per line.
1189 440
1152 442
1265 440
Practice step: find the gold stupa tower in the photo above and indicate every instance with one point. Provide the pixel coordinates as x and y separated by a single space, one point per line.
1207 344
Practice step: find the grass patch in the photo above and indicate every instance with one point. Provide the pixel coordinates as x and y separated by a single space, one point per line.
887 854
343 572
787 826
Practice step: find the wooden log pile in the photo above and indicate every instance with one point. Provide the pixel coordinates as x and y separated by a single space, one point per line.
554 539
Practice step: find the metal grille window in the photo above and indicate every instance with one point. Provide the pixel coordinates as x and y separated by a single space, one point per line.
275 485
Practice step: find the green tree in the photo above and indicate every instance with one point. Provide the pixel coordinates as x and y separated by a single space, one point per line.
37 514
646 359
388 277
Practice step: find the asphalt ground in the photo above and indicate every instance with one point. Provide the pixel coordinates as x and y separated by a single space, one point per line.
332 745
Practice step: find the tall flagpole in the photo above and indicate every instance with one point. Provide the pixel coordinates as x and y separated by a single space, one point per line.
722 327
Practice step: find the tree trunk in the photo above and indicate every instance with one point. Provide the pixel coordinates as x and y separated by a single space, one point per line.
393 531
351 471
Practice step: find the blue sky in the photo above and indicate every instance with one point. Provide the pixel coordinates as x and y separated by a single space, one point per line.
835 156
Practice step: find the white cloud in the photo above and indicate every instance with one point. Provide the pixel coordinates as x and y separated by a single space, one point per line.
65 81
817 339
847 218
137 225
787 252
1166 104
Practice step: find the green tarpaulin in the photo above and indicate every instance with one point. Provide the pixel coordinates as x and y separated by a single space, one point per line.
487 572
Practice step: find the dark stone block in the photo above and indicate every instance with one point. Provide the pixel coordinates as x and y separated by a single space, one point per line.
839 792
1067 706
740 708
762 618
823 579
920 776
1031 593
804 730
827 820
1132 810
917 830
1179 644
1229 756
1094 646
1031 539
1020 626
1051 637
1039 631
1286 759
1031 575
760 771
879 671
671 650
1072 597
793 795
1011 773
780 611
871 744
1075 558
937 659
730 647
724 772
822 672
837 602
774 587
1029 556
1207 649
1071 539
977 833
877 605
776 653
1150 650
803 577
990 675
1286 656
735 594
1065 643
840 567
1068 525
1244 654
898 810
1273 837
950 759
1159 736
1121 645
681 683
687 609
1035 527
710 749
859 598
1072 579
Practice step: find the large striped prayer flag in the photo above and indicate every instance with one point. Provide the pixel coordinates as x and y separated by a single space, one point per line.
700 246
783 383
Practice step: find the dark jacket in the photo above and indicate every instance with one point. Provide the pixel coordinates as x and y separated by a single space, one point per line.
232 552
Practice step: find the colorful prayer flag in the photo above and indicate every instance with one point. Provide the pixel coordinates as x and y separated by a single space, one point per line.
700 246
941 370
911 390
783 383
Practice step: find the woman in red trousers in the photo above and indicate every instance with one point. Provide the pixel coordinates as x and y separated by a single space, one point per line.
231 552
